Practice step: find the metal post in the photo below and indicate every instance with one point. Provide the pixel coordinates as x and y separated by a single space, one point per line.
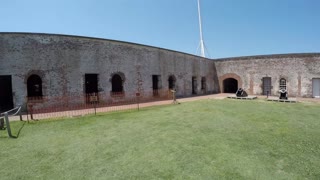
137 98
95 108
30 110
2 124
20 115
6 117
27 115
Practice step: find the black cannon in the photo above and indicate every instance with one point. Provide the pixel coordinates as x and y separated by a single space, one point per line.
283 94
241 93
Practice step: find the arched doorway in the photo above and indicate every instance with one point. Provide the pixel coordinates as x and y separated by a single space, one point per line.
34 86
194 85
230 85
229 76
203 84
172 82
6 96
117 86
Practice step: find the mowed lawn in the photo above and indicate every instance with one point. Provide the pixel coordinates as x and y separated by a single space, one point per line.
207 139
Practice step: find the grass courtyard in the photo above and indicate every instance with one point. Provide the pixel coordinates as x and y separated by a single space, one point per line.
207 139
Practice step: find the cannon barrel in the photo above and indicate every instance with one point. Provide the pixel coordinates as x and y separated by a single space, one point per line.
283 94
241 93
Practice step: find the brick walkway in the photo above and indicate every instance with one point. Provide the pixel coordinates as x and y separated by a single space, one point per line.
75 113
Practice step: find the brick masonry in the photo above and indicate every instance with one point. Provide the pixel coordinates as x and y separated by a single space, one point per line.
62 61
297 69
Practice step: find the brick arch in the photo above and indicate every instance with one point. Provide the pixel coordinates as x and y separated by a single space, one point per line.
41 75
117 82
172 81
229 75
121 74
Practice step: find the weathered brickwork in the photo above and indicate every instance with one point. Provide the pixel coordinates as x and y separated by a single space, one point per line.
297 69
229 75
62 62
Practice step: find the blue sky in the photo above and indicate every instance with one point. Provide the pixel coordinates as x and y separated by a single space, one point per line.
230 27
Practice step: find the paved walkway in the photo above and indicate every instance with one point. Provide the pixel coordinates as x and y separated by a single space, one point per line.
82 112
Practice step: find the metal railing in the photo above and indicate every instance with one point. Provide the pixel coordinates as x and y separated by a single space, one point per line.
83 104
6 123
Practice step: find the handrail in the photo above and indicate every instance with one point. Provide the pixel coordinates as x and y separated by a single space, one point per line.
18 108
6 117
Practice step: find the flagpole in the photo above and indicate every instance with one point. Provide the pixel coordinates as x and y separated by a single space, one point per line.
201 35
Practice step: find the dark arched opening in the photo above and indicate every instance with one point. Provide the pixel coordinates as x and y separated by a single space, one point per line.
6 95
230 85
34 86
172 82
194 85
117 85
203 83
283 84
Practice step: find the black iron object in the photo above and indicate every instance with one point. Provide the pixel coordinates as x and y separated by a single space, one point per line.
241 93
283 94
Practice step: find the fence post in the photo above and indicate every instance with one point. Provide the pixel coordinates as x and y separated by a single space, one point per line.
95 107
30 111
20 115
138 95
6 117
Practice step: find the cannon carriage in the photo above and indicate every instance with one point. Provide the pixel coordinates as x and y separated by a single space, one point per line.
283 94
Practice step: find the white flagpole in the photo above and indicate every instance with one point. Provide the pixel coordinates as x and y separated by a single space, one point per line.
201 36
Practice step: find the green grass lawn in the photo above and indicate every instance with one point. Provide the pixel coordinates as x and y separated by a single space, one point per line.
208 139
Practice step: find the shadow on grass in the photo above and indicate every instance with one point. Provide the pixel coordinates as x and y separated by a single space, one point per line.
24 123
19 131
